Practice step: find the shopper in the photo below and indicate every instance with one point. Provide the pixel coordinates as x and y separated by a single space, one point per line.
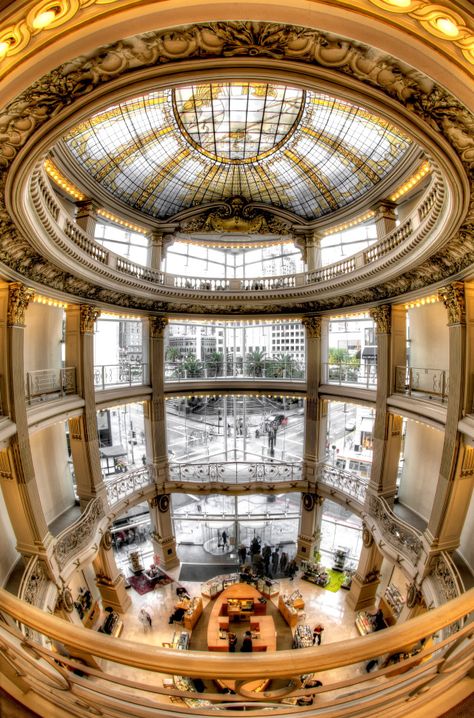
145 619
247 645
317 631
224 540
232 642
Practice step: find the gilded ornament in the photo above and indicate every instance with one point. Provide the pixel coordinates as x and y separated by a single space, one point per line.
19 297
312 325
452 297
157 327
89 314
382 317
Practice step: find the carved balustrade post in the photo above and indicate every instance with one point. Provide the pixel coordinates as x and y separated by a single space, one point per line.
309 533
385 218
313 415
109 580
367 577
455 480
154 411
163 539
17 476
84 440
386 431
86 217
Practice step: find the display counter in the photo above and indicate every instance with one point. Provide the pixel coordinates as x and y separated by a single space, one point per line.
240 602
289 607
268 587
216 585
193 611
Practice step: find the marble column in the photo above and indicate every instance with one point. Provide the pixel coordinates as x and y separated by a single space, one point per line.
313 251
386 426
17 476
313 417
455 479
309 534
80 322
367 576
109 580
155 412
163 540
155 250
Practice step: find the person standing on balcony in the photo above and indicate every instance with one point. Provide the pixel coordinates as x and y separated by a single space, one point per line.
224 540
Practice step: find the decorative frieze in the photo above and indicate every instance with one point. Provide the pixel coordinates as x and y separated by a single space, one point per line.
382 317
89 315
158 326
312 324
447 580
452 297
19 297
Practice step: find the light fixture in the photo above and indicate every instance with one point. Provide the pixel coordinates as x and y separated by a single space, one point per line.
46 17
447 27
5 45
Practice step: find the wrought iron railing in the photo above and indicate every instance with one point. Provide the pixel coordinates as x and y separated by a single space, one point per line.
236 472
125 485
426 383
343 481
227 369
55 668
70 542
396 532
447 578
108 375
349 374
47 384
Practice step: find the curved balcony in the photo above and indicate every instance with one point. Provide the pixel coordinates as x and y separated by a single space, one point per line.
45 661
423 229
270 369
422 383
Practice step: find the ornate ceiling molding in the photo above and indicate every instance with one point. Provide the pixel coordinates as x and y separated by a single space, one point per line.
70 84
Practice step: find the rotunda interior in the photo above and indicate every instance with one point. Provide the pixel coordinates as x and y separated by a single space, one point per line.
236 386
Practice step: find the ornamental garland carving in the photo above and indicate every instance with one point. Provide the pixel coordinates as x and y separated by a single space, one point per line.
19 297
382 317
452 297
157 327
405 539
70 82
312 326
236 214
88 318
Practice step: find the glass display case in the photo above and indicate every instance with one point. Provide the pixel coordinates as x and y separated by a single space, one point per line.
303 637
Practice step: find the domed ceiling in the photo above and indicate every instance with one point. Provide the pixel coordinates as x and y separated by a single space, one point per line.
172 149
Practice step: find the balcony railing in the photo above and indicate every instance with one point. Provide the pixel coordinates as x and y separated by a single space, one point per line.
125 485
60 229
108 375
396 532
47 384
405 680
267 369
80 535
238 472
343 481
421 382
360 375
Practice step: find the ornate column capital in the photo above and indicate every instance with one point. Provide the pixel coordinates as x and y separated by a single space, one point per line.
19 297
312 324
452 297
157 326
89 314
382 317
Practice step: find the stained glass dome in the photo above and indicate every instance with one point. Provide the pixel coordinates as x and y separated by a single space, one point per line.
172 149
